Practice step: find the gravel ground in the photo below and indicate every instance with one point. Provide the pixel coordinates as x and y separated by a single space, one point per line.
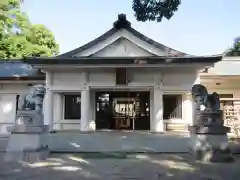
135 166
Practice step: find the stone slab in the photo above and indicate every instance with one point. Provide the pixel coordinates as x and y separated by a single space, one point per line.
27 129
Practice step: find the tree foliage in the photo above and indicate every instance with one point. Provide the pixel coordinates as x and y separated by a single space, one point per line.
235 50
154 10
19 38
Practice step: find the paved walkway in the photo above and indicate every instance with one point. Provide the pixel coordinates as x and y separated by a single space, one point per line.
138 166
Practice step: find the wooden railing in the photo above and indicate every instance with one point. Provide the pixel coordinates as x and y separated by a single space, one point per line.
231 114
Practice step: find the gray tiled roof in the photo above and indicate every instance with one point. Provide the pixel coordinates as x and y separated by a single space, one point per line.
17 69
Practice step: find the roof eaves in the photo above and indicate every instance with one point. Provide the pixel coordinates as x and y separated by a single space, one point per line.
124 60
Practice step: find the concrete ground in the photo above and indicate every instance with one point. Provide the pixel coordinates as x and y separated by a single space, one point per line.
118 166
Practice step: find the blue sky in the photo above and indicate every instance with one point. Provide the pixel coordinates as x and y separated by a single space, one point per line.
200 27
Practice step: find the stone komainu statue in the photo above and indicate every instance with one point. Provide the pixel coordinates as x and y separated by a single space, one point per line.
202 98
208 140
32 101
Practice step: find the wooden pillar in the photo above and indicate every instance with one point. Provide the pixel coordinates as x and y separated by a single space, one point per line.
48 102
157 119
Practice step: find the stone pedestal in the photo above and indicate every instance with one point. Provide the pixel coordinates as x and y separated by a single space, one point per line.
210 148
27 141
209 141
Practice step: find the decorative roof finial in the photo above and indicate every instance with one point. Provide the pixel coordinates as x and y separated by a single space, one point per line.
122 22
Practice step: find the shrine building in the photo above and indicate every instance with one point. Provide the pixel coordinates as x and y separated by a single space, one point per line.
121 80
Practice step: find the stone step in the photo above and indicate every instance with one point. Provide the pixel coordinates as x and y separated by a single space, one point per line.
176 127
118 141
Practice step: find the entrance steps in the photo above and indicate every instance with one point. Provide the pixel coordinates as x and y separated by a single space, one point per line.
178 127
118 141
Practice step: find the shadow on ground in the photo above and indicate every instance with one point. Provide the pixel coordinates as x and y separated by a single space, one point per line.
119 166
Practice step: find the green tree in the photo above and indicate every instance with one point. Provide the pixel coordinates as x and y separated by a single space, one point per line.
154 10
235 50
19 38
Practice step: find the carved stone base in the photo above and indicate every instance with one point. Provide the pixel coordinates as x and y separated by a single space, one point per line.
26 147
210 148
27 156
214 130
29 118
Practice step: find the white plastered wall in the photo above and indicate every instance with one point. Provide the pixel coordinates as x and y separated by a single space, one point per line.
173 83
8 97
122 48
72 82
223 86
224 77
105 48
